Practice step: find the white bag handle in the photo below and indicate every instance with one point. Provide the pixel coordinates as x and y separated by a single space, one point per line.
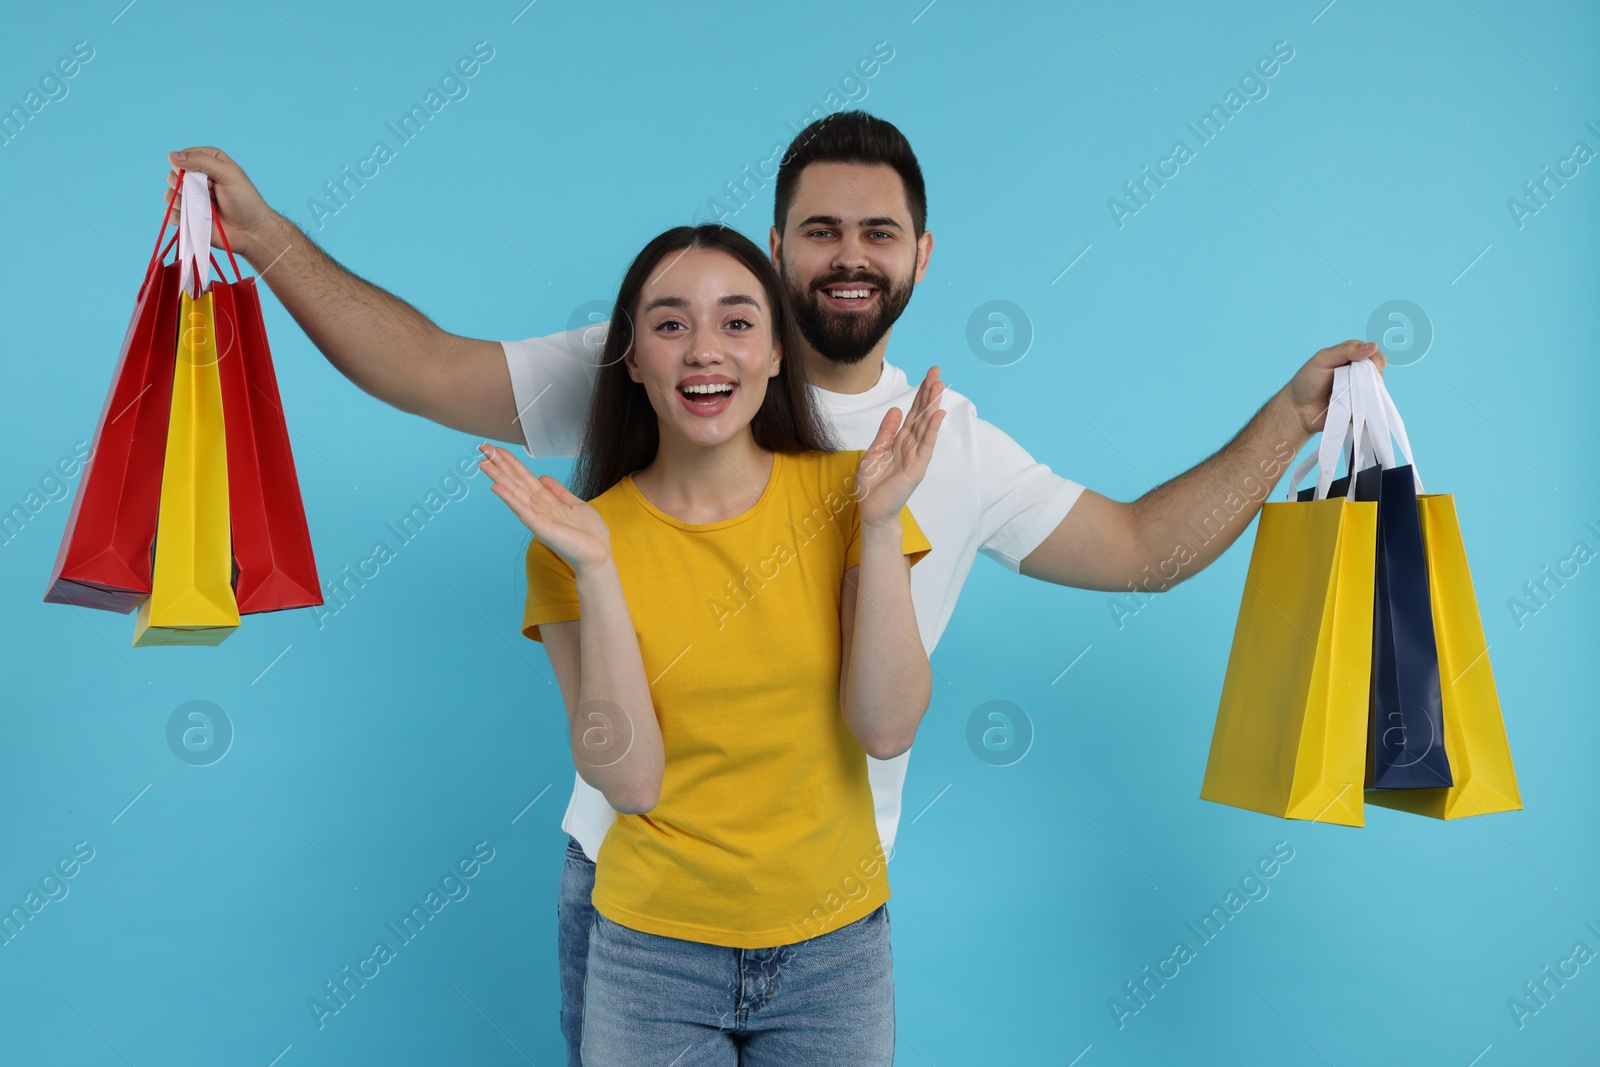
1383 419
194 234
1340 427
1336 420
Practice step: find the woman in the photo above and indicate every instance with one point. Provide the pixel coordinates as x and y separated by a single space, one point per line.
697 597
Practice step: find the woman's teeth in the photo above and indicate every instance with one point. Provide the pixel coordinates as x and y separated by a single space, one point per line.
707 396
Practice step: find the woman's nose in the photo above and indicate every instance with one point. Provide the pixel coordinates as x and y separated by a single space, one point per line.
705 347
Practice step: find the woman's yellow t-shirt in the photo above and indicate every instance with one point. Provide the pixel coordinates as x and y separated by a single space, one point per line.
764 834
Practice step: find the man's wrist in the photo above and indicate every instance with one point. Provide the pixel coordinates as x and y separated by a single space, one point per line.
1285 420
262 245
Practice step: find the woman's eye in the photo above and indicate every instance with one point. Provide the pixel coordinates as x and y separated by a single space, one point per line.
743 324
662 327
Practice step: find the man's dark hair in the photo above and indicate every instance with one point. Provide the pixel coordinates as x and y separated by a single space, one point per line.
851 137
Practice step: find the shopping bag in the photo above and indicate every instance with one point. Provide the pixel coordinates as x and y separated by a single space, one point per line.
1406 742
1405 735
274 565
104 559
1474 733
1291 730
191 600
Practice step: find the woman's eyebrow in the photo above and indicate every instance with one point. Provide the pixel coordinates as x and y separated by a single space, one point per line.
732 299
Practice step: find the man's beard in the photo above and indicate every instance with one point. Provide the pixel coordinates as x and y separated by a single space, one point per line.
842 336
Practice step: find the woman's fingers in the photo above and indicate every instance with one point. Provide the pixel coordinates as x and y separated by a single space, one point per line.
928 396
899 436
924 407
519 506
888 429
503 466
559 491
926 441
879 455
913 446
543 504
504 470
520 500
904 443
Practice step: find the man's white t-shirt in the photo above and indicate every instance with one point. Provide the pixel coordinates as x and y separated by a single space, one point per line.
982 493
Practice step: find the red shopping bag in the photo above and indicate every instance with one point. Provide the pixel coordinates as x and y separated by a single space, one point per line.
105 558
273 564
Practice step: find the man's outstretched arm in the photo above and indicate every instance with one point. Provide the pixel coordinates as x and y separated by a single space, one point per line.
1181 526
381 343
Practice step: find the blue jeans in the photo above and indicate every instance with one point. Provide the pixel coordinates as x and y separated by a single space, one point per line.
825 1000
574 915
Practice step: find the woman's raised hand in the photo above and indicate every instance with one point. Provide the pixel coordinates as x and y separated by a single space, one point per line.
569 525
898 458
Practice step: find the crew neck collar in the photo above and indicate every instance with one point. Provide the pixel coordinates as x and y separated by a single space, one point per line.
705 527
891 382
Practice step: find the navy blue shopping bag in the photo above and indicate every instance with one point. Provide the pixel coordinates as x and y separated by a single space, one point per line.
1405 723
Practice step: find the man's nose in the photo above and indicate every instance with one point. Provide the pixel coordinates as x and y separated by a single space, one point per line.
851 254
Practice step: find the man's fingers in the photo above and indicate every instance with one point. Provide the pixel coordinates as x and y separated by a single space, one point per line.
206 159
1346 352
214 163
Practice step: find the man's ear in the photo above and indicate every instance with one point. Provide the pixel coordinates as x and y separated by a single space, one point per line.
924 253
775 248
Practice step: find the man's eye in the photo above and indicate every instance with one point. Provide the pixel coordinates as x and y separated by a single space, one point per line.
881 233
820 233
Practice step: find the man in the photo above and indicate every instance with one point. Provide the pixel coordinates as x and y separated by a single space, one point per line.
850 240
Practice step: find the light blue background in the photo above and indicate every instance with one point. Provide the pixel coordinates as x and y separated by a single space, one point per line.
380 748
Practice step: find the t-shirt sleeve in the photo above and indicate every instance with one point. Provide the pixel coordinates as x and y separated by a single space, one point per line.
552 590
1023 500
912 540
552 380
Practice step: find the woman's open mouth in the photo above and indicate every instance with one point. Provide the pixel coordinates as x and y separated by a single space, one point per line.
707 400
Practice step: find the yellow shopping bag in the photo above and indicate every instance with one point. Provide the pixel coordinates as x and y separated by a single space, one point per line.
1474 734
191 600
1291 733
